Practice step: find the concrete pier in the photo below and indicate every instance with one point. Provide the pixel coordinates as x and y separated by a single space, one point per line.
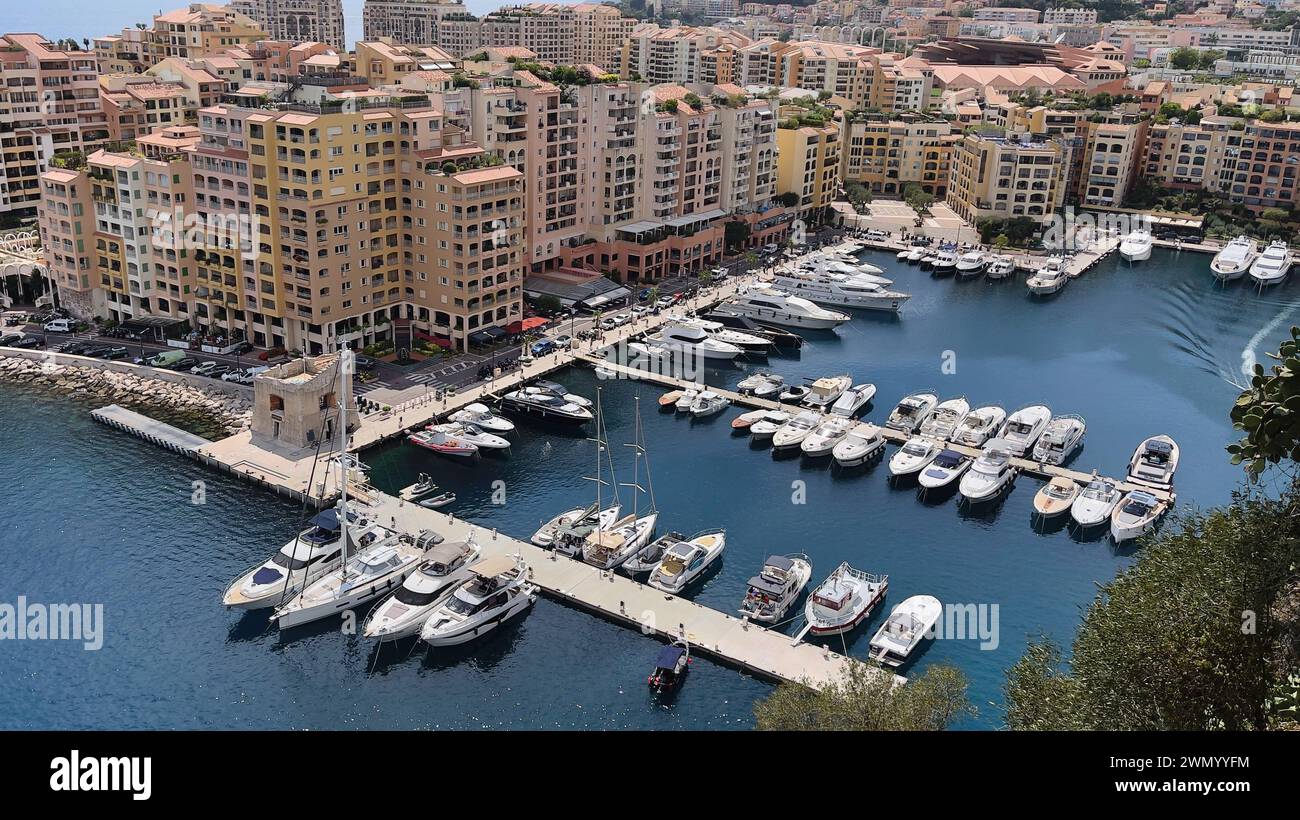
151 430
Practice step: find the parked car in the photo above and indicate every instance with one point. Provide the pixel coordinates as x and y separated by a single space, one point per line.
96 351
541 347
72 347
273 353
719 273
876 235
115 353
57 326
218 371
608 323
365 362
183 364
167 358
564 342
244 376
203 368
8 339
664 301
27 342
240 348
640 310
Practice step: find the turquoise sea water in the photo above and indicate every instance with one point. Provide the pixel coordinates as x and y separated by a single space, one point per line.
95 516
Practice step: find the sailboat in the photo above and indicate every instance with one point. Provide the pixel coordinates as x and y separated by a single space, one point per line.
608 547
571 538
368 569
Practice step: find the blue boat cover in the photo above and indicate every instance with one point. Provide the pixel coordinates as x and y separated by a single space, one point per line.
266 575
780 562
668 657
326 519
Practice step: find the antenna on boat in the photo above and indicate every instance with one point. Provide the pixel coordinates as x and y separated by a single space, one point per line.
344 365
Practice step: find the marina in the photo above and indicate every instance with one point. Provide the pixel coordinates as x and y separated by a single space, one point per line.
1138 385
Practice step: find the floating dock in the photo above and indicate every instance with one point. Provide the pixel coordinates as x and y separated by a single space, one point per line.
151 430
729 639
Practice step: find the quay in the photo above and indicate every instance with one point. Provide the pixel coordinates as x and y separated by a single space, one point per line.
731 640
151 430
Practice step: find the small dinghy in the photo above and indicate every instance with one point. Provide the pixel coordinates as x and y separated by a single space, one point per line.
1055 497
433 502
423 486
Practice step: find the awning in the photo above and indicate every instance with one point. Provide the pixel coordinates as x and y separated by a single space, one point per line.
606 297
526 325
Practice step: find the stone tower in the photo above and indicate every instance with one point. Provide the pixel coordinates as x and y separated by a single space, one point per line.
296 404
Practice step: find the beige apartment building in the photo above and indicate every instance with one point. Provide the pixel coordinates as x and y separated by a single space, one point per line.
49 104
1193 157
1112 159
135 104
411 22
681 54
808 165
1006 178
887 155
581 34
813 65
384 62
296 21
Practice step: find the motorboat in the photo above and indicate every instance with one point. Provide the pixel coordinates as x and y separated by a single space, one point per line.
315 551
693 340
557 389
903 254
793 393
1136 247
669 399
1055 497
991 472
843 600
686 399
823 438
1048 279
764 428
473 434
772 306
1061 439
686 561
842 291
1136 513
545 405
824 392
671 666
859 445
915 254
1095 503
719 332
913 456
571 539
444 568
908 624
498 591
1000 267
761 385
776 587
947 467
853 400
779 337
945 262
480 416
1235 259
912 411
1154 462
834 270
1272 265
437 501
979 425
971 264
927 261
441 442
366 574
650 555
794 431
1023 427
946 418
649 353
745 420
592 517
708 403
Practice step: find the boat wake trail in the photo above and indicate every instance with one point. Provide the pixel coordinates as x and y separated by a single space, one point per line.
1248 357
1186 337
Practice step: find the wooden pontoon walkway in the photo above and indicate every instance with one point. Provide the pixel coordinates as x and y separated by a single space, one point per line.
151 430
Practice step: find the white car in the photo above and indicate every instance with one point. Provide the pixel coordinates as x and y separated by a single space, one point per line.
664 301
719 273
608 323
621 319
203 368
640 310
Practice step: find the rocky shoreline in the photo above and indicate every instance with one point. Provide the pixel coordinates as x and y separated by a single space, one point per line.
205 412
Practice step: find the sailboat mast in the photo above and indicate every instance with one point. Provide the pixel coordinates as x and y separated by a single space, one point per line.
599 444
344 364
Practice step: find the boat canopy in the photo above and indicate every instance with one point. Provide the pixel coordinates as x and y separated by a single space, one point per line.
761 583
494 566
668 657
948 459
780 562
327 519
448 552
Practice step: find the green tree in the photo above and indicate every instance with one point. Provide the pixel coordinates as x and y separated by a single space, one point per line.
1184 58
865 700
1269 412
916 196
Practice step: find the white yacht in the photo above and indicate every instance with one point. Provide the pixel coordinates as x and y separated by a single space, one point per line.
747 342
1235 259
650 555
1056 497
365 575
793 432
545 405
853 400
1061 439
908 624
823 438
1154 462
444 568
912 411
945 262
859 445
913 456
843 600
777 586
1272 265
473 434
946 418
835 270
1000 267
764 428
1136 247
1023 427
1095 504
1048 279
314 552
610 546
777 307
480 416
563 392
915 254
592 517
498 592
946 468
1135 514
761 385
686 399
693 340
990 473
839 291
708 403
979 425
971 264
686 561
826 390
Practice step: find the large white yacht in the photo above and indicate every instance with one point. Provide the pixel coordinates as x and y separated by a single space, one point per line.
777 307
1235 259
747 342
842 291
498 591
1272 265
400 615
1048 279
1136 247
989 474
545 405
694 340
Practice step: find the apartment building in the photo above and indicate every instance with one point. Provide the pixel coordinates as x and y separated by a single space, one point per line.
1001 14
202 30
808 165
411 22
1266 173
1193 157
894 84
1070 17
837 68
680 54
1112 160
67 225
49 104
383 62
887 155
1006 178
135 104
297 21
582 34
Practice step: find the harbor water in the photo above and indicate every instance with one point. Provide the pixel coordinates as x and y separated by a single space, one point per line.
94 516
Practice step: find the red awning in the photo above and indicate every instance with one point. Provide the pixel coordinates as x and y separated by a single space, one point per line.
525 325
440 341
